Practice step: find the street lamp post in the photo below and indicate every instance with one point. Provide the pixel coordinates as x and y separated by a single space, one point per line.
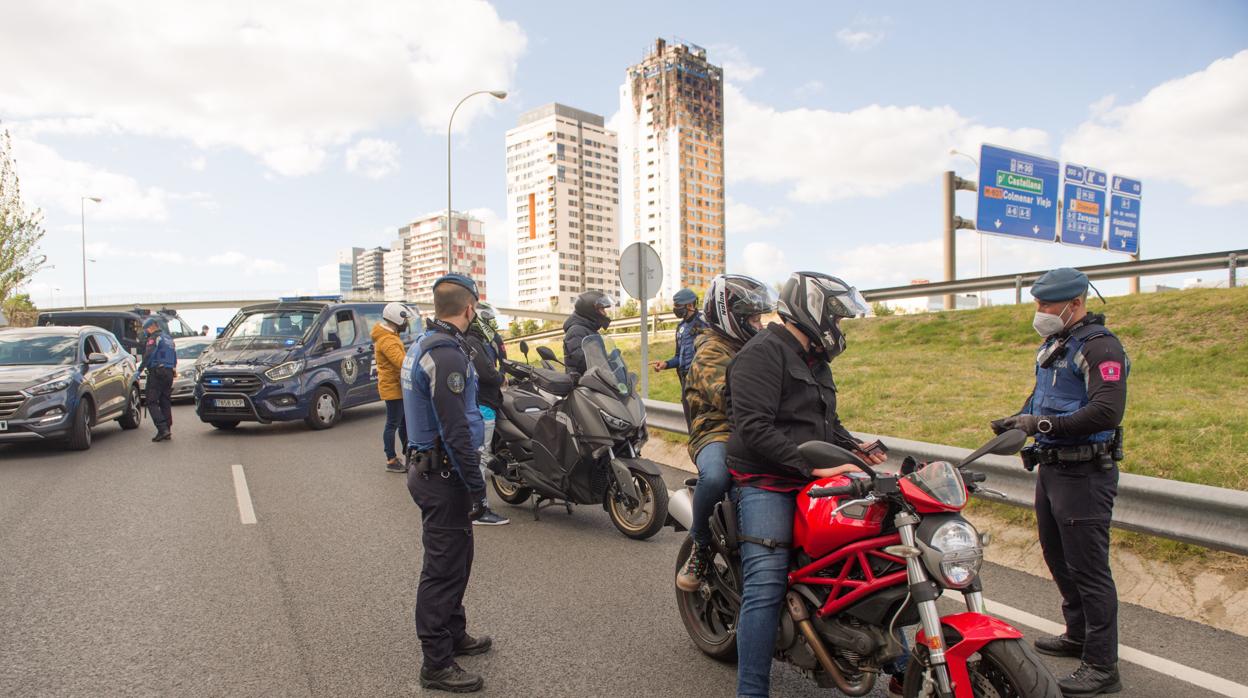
497 94
82 203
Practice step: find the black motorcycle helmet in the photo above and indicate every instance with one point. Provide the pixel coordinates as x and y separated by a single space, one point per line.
732 300
593 305
816 303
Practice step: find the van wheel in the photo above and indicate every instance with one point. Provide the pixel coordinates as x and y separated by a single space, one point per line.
134 411
324 412
80 433
224 426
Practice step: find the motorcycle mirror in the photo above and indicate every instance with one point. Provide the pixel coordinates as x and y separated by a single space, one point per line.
821 454
1006 443
524 348
546 353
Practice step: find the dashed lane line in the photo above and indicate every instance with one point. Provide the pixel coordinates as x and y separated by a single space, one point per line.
246 513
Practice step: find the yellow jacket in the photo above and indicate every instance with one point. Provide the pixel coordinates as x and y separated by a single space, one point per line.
388 352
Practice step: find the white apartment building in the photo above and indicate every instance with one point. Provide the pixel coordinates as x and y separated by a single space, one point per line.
672 162
394 271
370 269
418 257
563 192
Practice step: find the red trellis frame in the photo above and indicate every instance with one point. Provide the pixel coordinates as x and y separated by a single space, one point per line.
852 557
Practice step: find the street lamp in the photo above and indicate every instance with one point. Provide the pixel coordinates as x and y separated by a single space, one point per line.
496 94
82 203
983 242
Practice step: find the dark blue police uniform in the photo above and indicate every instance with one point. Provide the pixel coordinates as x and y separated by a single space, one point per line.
159 360
686 332
443 423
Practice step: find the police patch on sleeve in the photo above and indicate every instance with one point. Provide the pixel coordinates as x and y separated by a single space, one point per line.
455 382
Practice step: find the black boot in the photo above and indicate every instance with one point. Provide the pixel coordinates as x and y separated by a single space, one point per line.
451 678
162 435
472 645
1091 680
1060 646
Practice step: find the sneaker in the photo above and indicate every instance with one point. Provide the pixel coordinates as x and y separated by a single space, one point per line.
489 518
451 678
690 578
396 466
162 436
1091 680
1060 646
470 646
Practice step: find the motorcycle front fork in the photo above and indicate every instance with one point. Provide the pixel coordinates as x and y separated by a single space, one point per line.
929 615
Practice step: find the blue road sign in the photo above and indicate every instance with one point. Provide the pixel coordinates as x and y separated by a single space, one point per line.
1083 207
1017 194
1124 224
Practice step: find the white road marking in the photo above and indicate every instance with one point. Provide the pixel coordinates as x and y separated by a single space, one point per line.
1196 677
245 511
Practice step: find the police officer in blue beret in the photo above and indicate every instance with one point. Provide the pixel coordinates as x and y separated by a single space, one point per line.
445 432
159 360
685 307
1075 412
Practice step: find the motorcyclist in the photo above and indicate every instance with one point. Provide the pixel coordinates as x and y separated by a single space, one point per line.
735 305
589 316
388 353
480 338
781 394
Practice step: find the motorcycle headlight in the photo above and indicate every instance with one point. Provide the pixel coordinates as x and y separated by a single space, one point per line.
52 386
954 554
615 422
290 369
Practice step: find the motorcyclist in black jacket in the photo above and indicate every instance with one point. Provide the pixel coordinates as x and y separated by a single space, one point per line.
589 316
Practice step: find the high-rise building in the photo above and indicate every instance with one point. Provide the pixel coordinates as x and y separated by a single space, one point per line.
562 207
672 156
340 276
418 257
370 269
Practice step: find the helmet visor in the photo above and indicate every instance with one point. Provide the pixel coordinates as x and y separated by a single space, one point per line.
750 297
839 301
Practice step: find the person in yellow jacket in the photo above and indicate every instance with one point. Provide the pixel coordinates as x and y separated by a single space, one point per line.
388 351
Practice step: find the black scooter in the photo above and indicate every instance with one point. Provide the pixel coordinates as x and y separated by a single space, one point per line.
575 440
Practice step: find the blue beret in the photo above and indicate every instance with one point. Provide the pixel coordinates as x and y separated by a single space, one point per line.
459 280
684 297
1060 285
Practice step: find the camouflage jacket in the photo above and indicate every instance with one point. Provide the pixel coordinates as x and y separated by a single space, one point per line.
704 389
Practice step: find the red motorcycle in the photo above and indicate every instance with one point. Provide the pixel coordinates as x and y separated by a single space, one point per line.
871 555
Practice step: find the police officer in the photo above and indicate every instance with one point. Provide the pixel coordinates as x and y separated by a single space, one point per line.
444 429
685 307
159 360
1074 413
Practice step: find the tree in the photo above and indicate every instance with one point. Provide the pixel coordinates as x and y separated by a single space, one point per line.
882 310
630 309
19 310
20 230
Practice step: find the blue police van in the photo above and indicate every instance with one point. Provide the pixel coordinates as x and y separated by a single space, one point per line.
305 358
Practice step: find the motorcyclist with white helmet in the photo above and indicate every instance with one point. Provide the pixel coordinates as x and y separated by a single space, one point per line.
388 353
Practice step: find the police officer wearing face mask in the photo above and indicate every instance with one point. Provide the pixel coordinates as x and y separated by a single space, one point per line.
445 431
1074 413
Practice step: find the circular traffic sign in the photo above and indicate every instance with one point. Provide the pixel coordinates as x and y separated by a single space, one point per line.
641 270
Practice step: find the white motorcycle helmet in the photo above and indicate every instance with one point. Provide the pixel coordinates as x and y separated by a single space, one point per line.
399 314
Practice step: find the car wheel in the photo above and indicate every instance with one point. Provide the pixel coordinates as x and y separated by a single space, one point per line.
80 432
134 412
323 413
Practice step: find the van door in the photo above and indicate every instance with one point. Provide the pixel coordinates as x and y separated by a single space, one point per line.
343 361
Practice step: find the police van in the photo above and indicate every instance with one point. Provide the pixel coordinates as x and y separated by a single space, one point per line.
305 358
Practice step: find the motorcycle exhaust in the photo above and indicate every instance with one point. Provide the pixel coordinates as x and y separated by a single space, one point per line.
799 614
680 508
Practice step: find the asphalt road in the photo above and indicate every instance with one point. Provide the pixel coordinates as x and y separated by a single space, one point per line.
126 570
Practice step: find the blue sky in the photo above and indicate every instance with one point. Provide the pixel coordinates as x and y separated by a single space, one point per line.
237 148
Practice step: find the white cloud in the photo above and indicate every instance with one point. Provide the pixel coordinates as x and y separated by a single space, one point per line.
1193 130
247 264
743 218
210 72
49 180
882 265
859 39
373 158
198 163
105 250
765 261
873 151
494 230
737 67
809 89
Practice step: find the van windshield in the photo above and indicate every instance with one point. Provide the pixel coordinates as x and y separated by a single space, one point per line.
279 327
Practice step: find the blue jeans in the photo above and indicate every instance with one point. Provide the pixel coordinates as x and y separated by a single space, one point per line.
394 421
761 514
713 482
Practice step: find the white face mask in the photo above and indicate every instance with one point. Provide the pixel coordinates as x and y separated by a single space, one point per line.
1048 324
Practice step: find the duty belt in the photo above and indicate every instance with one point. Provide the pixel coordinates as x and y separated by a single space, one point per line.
1070 455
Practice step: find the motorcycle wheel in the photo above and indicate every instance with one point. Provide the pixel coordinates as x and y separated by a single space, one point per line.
709 618
650 514
1005 669
509 491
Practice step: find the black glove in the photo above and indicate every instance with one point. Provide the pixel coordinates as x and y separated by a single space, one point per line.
1027 422
998 426
477 510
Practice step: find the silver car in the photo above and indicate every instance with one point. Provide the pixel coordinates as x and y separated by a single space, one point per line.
188 350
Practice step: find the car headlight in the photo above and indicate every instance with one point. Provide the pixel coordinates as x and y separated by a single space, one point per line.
954 553
290 369
52 386
188 373
615 422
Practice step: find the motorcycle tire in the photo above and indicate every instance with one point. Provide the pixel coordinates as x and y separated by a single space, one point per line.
654 494
1005 667
709 623
510 492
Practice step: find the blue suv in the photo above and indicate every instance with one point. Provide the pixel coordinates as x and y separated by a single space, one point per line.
305 358
56 383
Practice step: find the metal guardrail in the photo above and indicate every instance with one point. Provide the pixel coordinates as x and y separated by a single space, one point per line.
617 324
1210 517
1230 260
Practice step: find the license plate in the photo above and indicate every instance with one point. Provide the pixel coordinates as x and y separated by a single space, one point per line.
229 402
4 426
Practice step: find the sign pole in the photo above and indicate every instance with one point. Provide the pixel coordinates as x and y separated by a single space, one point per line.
645 344
1133 284
950 238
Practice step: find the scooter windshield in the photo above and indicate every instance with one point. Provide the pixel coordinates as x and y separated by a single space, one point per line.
602 353
942 482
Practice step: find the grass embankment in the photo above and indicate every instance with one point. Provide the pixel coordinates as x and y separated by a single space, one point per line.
941 377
